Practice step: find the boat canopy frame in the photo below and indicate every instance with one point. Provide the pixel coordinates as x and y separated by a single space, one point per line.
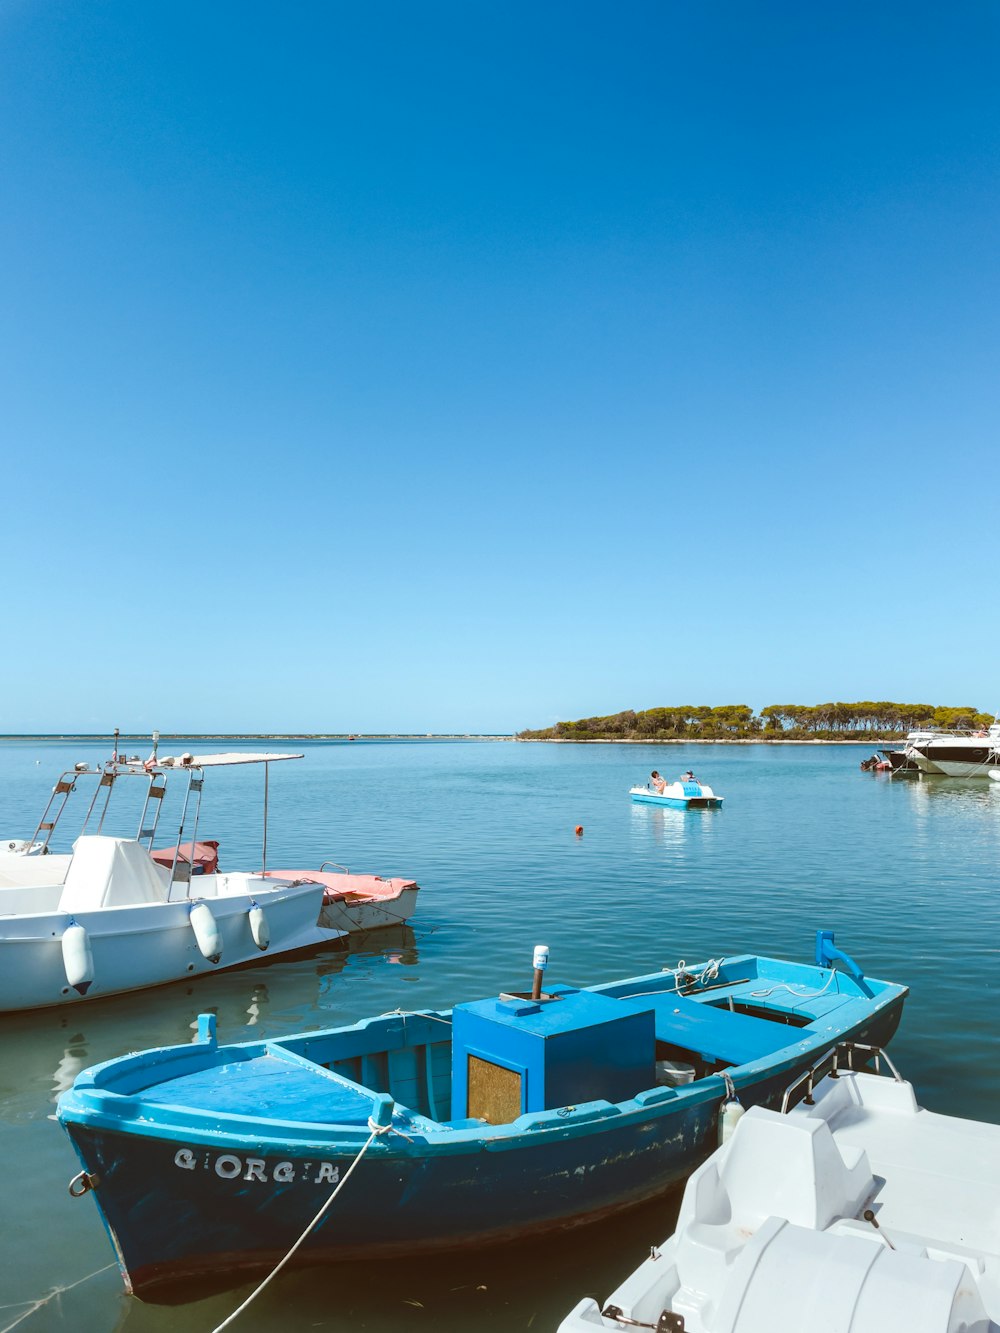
829 1066
155 771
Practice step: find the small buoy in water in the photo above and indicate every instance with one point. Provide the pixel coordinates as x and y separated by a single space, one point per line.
258 927
206 932
78 961
730 1112
579 830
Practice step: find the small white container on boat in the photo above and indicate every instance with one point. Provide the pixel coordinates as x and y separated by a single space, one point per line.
674 1073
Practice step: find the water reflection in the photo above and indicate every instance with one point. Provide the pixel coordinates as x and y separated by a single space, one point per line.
72 1061
668 827
51 1046
973 793
485 1288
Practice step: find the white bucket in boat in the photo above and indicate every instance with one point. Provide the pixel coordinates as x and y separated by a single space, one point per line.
674 1074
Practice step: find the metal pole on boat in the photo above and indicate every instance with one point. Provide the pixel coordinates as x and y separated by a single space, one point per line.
870 1217
263 868
540 963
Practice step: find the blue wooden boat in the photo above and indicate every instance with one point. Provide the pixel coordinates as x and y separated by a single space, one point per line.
496 1120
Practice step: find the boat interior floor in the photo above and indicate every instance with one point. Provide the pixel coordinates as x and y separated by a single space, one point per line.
333 1078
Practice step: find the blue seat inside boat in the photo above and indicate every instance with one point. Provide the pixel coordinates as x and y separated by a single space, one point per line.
813 1006
716 1034
266 1087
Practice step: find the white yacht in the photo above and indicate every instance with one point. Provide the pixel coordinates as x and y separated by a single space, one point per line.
954 754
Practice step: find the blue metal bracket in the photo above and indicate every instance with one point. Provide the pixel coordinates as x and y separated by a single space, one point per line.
383 1109
827 954
206 1029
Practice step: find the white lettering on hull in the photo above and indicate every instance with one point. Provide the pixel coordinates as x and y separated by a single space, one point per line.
227 1166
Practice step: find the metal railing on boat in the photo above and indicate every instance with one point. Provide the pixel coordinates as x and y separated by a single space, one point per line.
829 1066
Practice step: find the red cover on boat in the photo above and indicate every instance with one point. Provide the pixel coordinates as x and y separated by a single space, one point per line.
339 886
204 862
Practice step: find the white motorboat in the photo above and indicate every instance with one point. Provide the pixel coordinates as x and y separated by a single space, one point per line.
954 754
856 1211
115 914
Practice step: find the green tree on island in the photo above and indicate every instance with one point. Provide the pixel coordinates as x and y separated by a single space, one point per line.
864 721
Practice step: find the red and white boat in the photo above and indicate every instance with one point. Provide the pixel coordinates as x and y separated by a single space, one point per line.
356 903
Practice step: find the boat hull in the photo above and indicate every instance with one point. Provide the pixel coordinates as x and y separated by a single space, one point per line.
355 904
677 802
150 944
179 1205
358 916
953 760
900 761
953 754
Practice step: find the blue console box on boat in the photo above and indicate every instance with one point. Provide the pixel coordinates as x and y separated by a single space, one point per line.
513 1054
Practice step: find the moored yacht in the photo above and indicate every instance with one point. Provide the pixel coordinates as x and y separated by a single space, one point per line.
899 761
954 754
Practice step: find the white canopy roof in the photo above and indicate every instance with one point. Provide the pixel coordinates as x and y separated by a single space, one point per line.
216 760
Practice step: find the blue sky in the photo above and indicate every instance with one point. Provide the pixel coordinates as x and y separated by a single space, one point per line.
464 367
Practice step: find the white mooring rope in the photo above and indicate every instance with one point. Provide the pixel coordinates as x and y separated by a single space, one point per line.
796 994
376 1132
32 1307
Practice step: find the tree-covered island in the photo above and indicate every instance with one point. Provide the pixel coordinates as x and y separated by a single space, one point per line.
866 721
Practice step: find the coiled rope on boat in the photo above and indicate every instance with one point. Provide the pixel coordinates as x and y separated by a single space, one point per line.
682 978
376 1132
799 995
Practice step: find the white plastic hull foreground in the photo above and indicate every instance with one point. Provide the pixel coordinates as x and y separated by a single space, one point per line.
863 1213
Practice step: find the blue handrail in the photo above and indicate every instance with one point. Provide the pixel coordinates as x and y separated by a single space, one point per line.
827 954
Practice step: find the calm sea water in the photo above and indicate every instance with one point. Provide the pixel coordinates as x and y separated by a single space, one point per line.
905 871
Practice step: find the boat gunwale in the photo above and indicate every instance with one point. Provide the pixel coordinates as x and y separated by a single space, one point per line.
119 1112
640 797
92 917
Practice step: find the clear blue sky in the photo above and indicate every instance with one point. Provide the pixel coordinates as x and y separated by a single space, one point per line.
437 367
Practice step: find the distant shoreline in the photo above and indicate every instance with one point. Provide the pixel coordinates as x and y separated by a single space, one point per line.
138 737
868 742
862 722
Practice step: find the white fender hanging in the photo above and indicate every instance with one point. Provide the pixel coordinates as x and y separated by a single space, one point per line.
206 931
730 1112
258 927
78 961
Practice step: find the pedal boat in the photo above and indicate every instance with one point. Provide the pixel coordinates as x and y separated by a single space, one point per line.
679 795
117 914
851 1201
496 1120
